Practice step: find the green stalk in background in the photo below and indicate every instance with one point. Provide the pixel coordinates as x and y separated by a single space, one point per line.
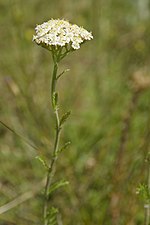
140 82
60 38
144 191
147 206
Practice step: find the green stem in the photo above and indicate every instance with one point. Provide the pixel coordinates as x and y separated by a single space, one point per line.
51 169
53 82
147 205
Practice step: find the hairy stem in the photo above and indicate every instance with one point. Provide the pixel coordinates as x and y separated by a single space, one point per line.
52 164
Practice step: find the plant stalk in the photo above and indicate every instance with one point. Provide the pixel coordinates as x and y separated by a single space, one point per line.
147 205
52 164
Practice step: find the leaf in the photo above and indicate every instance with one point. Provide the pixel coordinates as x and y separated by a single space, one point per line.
42 161
64 118
67 70
66 145
58 185
144 192
52 216
55 99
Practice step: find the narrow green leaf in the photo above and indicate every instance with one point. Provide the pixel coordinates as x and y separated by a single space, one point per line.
52 216
64 118
65 71
144 192
66 145
57 185
43 162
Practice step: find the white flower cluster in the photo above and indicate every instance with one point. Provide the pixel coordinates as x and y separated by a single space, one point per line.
60 32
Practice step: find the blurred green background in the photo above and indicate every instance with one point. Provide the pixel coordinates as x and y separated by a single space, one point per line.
97 90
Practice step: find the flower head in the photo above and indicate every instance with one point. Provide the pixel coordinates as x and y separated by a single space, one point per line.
60 33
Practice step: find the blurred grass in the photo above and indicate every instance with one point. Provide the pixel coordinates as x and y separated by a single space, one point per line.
97 89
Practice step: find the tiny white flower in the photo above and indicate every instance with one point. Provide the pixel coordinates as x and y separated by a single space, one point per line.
75 45
60 33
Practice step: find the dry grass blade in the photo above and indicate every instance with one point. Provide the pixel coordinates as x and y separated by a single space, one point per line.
22 198
20 136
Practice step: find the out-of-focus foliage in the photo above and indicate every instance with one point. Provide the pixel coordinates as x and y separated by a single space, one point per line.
97 90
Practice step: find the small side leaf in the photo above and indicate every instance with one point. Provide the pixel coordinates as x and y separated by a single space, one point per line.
64 118
66 145
57 185
43 162
143 191
52 216
67 70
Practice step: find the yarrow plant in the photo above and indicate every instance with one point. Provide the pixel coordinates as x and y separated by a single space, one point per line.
59 37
